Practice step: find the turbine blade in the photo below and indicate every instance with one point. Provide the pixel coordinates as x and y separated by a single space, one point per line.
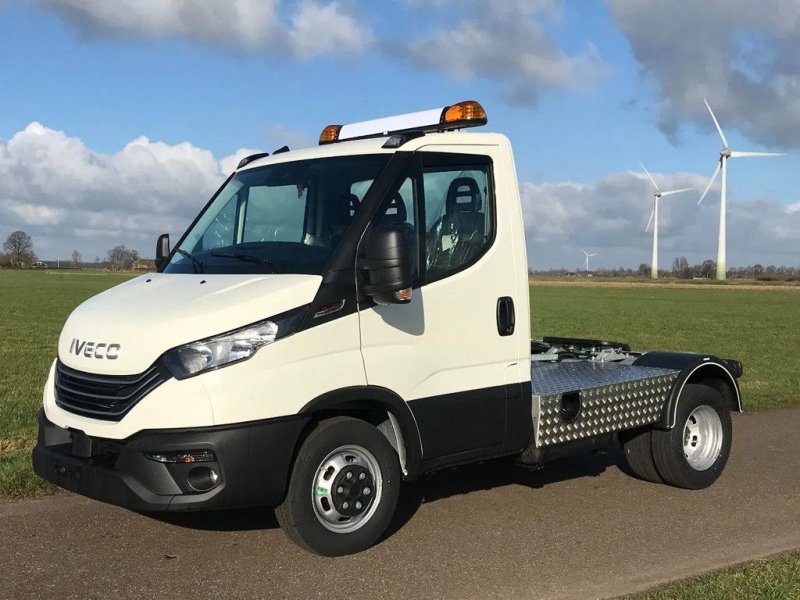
650 177
669 193
595 254
746 154
652 214
719 129
710 181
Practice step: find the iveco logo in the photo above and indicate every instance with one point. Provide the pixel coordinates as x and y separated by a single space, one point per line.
94 349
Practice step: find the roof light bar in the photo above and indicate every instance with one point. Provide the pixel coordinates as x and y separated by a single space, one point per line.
457 116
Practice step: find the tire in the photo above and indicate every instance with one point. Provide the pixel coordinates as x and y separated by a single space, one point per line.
343 488
637 447
693 454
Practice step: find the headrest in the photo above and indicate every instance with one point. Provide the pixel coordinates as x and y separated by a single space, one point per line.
350 203
463 195
395 210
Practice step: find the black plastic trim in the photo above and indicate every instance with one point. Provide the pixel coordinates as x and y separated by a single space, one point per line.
459 422
253 460
370 397
105 397
248 159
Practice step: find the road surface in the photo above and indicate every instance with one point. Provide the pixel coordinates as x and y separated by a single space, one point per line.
575 529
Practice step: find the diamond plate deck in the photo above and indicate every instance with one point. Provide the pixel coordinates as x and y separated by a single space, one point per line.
614 397
548 379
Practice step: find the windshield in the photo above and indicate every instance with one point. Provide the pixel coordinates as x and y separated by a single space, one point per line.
283 218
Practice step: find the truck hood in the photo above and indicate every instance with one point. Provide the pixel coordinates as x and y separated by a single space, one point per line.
128 326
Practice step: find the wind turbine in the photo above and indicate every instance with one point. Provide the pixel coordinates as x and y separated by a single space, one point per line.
722 165
657 193
587 258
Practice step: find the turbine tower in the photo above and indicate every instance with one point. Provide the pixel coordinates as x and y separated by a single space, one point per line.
722 165
587 258
657 194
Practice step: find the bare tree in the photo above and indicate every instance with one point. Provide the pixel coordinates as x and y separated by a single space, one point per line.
77 259
120 257
19 245
680 268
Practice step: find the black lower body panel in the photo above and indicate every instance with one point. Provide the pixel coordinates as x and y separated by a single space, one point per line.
251 460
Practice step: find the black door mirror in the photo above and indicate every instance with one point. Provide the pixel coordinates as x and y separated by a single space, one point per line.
385 266
162 251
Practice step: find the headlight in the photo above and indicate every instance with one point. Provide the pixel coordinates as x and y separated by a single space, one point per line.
234 346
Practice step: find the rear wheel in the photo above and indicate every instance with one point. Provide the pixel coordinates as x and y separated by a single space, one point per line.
693 454
637 446
343 488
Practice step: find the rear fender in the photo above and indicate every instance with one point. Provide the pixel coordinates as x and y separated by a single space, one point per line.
705 369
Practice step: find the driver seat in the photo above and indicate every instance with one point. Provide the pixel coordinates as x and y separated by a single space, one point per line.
463 226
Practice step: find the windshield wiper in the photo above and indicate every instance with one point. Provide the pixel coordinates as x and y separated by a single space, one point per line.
244 257
197 266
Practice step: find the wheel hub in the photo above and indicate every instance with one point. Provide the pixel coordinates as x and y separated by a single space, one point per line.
347 489
702 438
352 490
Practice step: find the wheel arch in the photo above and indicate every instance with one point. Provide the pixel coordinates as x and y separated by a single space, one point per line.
704 369
384 409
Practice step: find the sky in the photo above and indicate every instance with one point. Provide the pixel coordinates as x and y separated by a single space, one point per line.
119 120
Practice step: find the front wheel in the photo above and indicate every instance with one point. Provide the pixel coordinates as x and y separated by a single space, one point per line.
343 488
693 454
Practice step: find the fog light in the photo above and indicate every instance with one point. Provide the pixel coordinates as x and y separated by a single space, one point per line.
203 478
186 456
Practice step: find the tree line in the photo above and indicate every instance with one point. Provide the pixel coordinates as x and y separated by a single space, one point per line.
19 254
681 269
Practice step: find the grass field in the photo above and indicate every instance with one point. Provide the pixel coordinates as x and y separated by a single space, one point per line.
759 327
755 325
777 579
33 308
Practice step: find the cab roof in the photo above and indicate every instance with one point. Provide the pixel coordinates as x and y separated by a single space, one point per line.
375 145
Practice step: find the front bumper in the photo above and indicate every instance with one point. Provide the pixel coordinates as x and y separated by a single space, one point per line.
252 460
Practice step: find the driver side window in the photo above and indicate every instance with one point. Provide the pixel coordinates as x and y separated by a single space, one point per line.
459 221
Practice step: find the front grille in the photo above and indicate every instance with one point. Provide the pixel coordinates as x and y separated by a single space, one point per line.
107 397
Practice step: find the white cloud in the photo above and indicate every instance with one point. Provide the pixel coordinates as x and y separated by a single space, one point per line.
743 56
609 216
316 28
326 29
504 42
57 189
67 196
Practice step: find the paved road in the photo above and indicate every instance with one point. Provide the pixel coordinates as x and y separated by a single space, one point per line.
573 530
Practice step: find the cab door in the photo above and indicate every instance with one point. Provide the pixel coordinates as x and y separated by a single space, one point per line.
451 352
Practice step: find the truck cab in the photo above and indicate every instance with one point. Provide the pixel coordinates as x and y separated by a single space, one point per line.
340 318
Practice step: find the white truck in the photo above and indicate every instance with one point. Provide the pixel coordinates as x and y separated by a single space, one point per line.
340 318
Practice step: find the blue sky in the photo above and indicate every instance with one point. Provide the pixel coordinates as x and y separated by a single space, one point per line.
600 97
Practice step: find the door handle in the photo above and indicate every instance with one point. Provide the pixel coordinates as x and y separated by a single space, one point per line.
505 315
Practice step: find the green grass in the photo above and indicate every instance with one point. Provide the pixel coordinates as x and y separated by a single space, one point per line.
33 308
777 579
757 327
